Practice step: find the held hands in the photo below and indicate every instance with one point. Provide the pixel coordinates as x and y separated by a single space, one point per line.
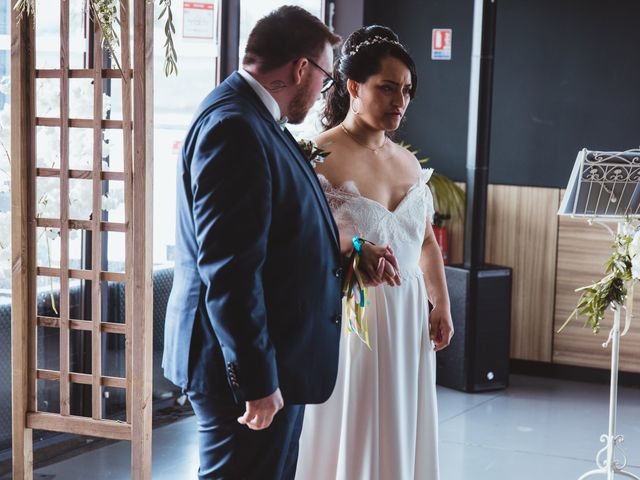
259 413
379 265
440 327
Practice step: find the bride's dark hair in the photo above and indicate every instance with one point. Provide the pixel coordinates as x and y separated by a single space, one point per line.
360 57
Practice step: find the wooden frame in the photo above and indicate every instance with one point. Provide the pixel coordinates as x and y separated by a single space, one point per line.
137 101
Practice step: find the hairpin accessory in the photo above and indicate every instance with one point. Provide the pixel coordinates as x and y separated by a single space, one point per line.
372 41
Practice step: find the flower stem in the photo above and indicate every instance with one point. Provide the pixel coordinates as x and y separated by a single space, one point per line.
53 300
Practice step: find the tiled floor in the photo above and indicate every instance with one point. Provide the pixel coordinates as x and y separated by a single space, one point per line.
538 429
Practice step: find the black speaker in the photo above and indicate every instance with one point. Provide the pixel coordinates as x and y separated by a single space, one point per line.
477 359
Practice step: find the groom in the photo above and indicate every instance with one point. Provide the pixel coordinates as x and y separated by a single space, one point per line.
253 320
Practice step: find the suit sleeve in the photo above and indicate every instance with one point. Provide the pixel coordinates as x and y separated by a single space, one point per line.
231 188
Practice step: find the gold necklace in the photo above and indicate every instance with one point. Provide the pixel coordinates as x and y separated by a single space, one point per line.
352 137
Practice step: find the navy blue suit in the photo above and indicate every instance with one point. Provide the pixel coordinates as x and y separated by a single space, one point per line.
256 300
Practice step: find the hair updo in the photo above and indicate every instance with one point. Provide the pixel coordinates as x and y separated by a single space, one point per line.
360 58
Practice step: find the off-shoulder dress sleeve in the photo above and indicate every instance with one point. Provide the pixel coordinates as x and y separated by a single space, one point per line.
425 176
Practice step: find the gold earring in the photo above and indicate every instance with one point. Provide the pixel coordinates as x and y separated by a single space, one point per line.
356 104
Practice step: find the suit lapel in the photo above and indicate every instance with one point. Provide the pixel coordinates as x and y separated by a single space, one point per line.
311 175
239 84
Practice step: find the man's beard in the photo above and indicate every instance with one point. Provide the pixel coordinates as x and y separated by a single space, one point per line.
300 104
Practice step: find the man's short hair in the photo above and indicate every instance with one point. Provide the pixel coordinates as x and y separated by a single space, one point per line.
285 35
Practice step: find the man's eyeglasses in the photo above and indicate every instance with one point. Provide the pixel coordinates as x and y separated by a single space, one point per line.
328 81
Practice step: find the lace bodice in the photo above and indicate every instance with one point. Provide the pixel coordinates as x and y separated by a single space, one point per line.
403 228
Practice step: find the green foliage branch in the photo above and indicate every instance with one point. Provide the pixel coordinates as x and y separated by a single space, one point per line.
620 271
105 14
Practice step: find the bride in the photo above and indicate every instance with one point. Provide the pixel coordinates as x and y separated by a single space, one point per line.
381 420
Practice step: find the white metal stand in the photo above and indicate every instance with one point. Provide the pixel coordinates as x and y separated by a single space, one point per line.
605 459
605 186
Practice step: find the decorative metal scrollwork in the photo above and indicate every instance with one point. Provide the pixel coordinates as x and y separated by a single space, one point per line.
593 173
601 458
616 174
628 157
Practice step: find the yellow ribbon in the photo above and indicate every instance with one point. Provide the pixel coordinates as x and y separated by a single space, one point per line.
357 298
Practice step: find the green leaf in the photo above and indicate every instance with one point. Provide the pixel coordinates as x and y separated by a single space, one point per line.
610 290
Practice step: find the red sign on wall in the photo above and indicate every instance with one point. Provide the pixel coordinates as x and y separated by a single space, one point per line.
198 20
441 44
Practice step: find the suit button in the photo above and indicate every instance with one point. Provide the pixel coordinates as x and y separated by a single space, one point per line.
337 318
338 272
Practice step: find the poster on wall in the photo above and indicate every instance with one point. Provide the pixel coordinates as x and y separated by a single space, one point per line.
199 20
441 44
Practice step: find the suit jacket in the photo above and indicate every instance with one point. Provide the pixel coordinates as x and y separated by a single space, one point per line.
256 300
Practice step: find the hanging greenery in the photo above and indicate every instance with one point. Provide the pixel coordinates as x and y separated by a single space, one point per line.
105 13
25 7
621 271
170 55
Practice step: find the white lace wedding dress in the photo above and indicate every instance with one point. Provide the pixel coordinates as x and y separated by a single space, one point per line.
381 420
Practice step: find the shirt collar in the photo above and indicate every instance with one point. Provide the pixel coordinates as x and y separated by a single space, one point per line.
264 95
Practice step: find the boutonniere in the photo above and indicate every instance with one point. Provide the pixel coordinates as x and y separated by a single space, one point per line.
312 152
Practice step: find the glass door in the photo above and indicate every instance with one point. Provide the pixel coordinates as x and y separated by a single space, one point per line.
197 42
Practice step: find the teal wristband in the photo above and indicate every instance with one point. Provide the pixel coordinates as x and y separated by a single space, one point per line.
357 244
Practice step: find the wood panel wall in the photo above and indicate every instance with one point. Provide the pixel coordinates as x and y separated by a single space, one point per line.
550 256
456 237
521 233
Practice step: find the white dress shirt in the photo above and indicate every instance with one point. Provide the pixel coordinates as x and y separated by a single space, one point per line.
263 94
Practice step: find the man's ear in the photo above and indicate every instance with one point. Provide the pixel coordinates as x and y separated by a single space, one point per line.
298 69
353 88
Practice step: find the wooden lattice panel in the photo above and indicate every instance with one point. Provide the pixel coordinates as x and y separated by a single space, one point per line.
28 315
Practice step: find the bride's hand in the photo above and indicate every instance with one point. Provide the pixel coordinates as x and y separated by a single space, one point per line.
391 268
379 265
440 327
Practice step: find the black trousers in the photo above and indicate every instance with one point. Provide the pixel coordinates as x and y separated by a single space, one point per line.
231 451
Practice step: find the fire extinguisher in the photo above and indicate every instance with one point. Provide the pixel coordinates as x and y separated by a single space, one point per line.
441 234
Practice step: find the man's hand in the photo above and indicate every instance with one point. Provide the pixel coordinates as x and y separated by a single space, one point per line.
379 265
440 327
259 413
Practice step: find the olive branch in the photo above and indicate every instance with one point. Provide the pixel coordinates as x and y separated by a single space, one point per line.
610 289
170 55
